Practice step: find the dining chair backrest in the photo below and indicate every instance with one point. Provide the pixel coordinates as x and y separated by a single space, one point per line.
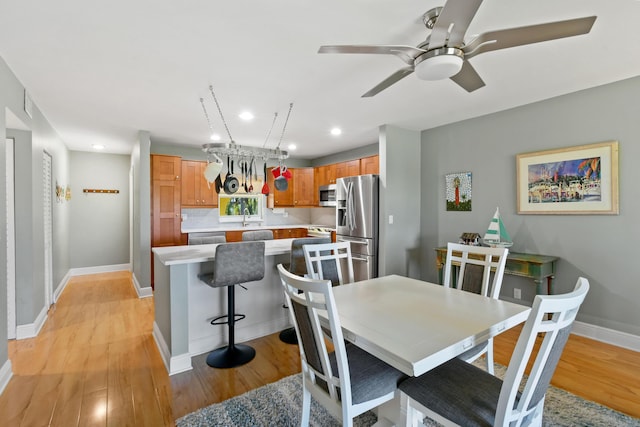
326 374
551 317
297 262
474 267
253 235
330 261
459 393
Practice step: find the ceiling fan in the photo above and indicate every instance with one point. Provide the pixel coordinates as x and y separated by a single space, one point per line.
444 54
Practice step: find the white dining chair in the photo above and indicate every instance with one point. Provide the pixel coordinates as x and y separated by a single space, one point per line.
473 266
459 393
346 381
330 261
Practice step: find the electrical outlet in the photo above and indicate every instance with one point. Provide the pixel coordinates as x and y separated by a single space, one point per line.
516 293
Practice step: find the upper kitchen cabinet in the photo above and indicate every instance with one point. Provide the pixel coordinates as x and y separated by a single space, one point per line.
370 165
325 175
303 188
300 191
348 168
165 168
196 191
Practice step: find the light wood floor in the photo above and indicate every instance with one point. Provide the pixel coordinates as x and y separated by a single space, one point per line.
95 363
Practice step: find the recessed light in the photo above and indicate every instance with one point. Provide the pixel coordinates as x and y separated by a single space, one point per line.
292 147
336 131
98 147
215 137
246 115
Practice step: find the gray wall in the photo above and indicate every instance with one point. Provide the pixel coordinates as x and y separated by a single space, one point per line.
141 174
598 247
30 146
399 249
100 232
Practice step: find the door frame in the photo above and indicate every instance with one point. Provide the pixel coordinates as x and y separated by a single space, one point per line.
11 239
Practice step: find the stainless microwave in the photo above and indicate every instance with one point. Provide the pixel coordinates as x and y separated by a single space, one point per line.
327 195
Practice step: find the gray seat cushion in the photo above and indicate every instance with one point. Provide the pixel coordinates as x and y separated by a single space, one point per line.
370 376
254 235
458 391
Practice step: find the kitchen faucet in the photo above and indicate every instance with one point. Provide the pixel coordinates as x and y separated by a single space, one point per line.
244 216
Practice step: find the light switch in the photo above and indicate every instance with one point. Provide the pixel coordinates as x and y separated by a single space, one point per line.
390 219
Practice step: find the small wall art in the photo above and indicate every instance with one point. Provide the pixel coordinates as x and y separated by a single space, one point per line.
458 191
572 180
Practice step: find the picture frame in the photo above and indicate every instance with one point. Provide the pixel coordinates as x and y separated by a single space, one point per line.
458 193
573 180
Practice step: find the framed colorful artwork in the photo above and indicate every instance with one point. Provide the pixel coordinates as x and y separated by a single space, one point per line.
572 180
458 191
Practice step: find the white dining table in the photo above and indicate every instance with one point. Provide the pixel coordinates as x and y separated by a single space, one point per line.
414 325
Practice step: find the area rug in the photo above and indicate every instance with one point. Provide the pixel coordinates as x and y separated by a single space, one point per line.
279 403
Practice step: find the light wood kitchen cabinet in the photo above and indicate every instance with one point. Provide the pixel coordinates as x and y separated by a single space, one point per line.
166 172
289 233
280 198
278 233
165 200
196 191
325 175
370 165
348 168
303 188
300 192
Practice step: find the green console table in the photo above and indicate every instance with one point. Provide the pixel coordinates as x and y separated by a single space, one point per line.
533 266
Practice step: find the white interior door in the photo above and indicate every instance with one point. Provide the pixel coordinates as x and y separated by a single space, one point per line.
48 229
11 242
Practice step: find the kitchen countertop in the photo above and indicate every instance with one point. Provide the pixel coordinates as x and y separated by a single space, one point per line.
174 255
238 227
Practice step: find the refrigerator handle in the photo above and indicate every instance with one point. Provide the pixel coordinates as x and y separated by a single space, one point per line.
359 259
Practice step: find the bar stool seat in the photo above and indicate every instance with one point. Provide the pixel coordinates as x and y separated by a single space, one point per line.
234 264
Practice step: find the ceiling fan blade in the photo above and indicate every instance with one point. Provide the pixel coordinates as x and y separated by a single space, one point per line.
468 78
455 15
406 53
393 78
519 36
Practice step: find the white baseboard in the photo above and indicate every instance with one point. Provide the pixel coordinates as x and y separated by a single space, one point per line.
175 364
99 269
142 292
609 336
5 375
63 284
31 330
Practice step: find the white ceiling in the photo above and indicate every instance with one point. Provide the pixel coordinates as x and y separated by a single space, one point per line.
102 71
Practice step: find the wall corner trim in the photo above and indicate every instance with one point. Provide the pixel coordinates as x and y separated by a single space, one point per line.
142 292
174 364
31 330
5 375
609 336
63 284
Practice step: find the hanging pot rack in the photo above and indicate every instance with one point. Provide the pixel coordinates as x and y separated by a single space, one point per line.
231 149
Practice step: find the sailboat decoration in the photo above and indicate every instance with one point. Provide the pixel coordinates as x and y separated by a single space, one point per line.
496 235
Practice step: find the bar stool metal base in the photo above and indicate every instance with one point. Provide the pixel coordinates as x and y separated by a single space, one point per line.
231 356
288 336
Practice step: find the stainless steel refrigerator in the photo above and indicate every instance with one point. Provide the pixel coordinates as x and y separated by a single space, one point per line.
357 221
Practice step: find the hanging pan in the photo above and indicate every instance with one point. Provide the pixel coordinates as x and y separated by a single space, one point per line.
231 183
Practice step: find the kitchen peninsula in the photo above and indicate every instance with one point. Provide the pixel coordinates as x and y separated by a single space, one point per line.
184 305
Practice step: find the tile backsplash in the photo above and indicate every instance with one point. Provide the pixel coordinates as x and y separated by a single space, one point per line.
202 218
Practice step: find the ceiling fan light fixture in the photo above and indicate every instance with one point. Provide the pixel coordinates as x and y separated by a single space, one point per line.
438 64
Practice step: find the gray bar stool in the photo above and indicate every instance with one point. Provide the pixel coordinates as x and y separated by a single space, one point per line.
234 263
257 235
298 266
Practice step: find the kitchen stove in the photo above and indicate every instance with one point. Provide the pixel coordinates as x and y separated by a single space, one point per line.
319 231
